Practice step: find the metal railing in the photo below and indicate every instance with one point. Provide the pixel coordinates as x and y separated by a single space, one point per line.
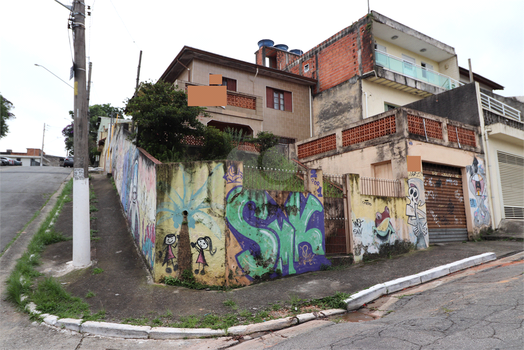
414 71
381 187
498 107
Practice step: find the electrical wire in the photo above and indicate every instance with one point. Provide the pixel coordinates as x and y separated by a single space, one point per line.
128 32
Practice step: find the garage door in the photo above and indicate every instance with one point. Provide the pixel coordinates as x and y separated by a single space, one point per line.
445 209
511 170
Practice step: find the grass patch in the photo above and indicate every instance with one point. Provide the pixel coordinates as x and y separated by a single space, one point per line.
92 209
97 271
48 294
230 303
90 294
188 280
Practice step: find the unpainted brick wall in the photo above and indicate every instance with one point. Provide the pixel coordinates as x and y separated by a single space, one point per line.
369 131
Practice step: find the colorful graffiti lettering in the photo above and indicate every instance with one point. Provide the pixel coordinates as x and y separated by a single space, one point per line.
233 175
477 187
417 216
170 242
289 239
202 244
383 228
314 181
191 204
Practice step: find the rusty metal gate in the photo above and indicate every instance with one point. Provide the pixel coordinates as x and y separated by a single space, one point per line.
445 207
334 215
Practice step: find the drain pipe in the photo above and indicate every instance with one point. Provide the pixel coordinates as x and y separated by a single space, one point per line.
366 95
484 138
310 114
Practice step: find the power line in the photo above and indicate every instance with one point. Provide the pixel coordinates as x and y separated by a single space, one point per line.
128 32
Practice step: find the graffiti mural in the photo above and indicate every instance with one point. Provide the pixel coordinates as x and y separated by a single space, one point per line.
416 212
276 239
191 199
383 229
477 188
135 179
202 244
168 255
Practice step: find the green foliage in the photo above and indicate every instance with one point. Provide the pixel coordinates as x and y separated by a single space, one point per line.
217 144
5 113
163 119
95 112
231 303
90 294
97 271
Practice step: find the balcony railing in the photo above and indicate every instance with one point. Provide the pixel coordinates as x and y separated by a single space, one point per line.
414 71
499 107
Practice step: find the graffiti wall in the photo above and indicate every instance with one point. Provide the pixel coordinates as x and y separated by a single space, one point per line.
477 185
273 233
416 210
135 179
190 224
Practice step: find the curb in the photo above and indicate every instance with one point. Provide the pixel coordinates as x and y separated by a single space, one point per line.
367 295
354 302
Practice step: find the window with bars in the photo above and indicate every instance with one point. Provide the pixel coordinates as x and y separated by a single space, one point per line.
279 99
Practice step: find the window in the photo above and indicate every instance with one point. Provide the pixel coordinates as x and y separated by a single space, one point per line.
389 106
409 65
230 83
278 99
425 68
380 48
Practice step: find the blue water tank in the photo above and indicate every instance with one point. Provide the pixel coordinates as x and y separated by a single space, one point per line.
282 47
265 42
297 52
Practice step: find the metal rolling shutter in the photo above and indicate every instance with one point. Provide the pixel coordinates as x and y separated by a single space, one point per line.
445 208
511 169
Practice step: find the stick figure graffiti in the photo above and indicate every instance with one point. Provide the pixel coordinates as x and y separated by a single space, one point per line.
416 216
170 242
203 243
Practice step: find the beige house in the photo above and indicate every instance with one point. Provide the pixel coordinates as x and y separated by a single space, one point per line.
258 98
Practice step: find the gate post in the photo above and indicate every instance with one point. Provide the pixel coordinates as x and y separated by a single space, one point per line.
347 214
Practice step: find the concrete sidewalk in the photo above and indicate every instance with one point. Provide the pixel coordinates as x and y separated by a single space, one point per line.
124 289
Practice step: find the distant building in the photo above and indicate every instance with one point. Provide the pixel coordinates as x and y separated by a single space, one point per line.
32 157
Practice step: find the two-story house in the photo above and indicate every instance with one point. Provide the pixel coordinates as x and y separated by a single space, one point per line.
258 98
374 65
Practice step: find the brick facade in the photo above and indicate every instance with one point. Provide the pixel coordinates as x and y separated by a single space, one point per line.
422 126
369 131
465 136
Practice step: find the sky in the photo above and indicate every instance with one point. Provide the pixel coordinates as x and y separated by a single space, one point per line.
35 32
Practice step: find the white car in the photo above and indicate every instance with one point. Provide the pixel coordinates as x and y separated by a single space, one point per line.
7 161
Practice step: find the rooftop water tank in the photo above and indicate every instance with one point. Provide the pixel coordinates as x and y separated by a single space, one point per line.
297 52
282 47
265 42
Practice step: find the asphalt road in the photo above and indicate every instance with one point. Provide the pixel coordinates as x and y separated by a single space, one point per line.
475 310
23 191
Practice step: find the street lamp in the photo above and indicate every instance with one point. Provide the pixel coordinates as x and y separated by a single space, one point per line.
38 65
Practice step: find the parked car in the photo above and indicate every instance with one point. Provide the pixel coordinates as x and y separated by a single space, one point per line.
17 162
7 161
69 161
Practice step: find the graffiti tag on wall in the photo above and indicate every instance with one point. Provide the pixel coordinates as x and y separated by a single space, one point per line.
415 210
477 188
289 239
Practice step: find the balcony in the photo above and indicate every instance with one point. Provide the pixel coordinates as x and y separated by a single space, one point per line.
500 108
410 70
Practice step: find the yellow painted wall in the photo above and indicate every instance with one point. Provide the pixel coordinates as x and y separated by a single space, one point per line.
199 189
378 94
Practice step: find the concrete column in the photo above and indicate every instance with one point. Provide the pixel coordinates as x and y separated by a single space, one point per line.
81 222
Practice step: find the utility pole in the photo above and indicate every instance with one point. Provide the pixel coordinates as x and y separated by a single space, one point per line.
42 151
81 221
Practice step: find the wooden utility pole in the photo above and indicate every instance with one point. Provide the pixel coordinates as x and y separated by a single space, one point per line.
81 221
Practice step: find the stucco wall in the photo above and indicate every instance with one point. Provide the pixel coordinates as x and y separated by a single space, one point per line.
379 94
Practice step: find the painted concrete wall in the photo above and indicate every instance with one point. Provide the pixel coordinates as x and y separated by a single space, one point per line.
478 194
190 221
134 174
273 233
379 94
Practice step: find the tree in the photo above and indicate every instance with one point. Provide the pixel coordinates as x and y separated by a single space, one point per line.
95 112
163 119
5 114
